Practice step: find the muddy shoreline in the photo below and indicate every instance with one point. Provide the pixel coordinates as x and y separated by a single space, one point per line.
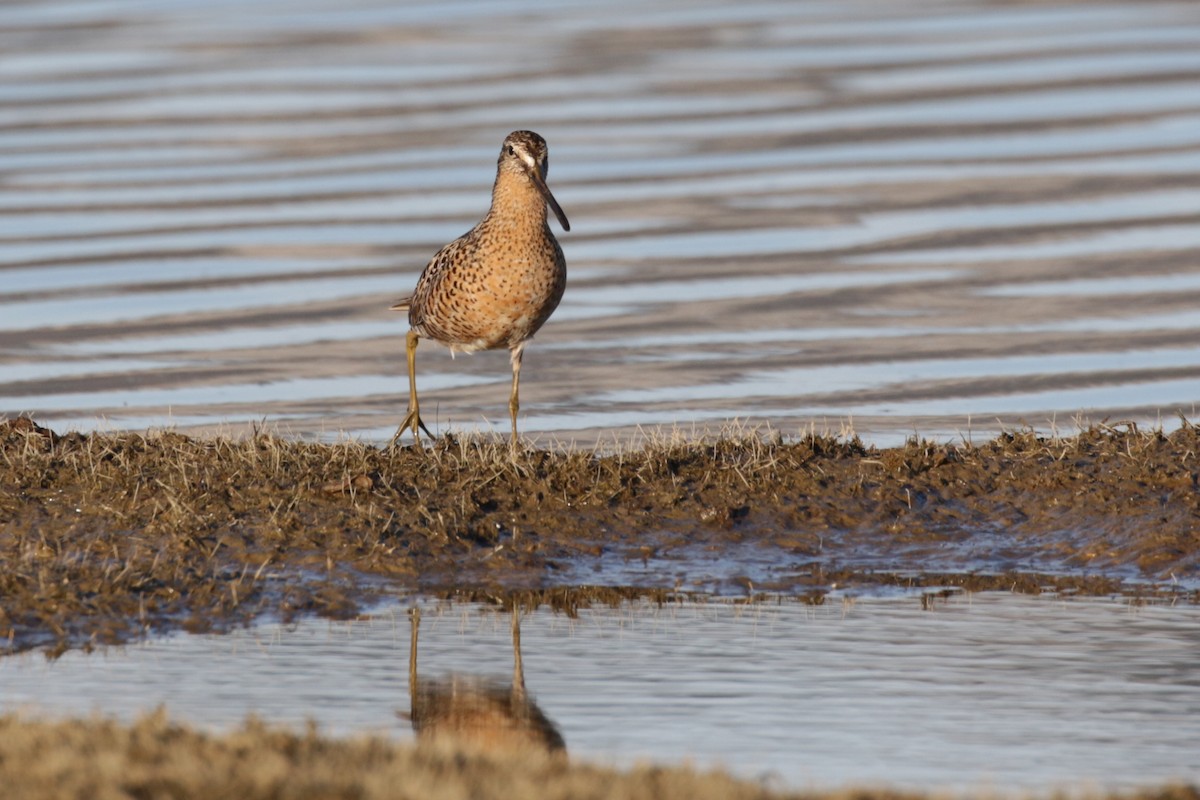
108 537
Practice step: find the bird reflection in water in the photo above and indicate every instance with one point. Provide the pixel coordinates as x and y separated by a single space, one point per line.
477 712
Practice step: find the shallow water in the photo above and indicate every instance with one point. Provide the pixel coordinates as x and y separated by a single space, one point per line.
786 213
987 691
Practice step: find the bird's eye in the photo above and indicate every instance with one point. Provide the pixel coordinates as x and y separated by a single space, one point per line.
509 149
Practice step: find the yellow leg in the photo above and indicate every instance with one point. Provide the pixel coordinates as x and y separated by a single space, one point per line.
412 420
513 402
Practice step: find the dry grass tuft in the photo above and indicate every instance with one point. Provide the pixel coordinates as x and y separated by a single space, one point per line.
155 758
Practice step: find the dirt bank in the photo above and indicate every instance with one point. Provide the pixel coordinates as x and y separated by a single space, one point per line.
105 536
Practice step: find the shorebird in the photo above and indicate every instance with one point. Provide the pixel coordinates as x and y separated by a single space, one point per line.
497 284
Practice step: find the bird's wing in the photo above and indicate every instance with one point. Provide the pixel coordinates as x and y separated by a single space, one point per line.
443 262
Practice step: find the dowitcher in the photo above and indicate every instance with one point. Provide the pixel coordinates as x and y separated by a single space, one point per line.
497 284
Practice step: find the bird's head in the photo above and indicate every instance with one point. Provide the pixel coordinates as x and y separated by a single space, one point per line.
526 152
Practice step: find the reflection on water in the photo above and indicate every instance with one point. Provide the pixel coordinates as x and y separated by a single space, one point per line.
1098 287
476 711
979 691
810 191
797 382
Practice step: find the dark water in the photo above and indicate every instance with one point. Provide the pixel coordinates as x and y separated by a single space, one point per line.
986 691
931 216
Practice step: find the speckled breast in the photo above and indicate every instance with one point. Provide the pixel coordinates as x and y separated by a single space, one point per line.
495 292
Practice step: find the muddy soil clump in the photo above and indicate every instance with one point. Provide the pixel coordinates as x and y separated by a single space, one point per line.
104 537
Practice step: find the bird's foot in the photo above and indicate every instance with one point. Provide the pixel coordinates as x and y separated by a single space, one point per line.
412 422
516 449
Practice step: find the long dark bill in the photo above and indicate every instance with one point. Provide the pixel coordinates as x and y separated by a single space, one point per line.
540 183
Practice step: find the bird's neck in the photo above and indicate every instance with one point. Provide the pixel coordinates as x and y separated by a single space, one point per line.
516 199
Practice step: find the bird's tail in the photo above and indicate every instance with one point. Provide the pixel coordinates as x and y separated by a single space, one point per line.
403 304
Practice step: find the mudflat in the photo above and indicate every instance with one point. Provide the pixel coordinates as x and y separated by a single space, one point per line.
107 537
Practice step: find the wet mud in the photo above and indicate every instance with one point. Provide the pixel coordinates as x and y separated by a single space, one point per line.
107 537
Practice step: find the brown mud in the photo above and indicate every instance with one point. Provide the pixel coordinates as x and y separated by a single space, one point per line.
106 537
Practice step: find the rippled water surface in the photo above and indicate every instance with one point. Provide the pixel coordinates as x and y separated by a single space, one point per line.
930 216
978 691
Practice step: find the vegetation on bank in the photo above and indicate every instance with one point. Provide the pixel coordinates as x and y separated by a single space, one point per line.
107 536
100 759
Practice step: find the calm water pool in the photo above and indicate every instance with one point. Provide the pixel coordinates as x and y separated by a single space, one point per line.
980 691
